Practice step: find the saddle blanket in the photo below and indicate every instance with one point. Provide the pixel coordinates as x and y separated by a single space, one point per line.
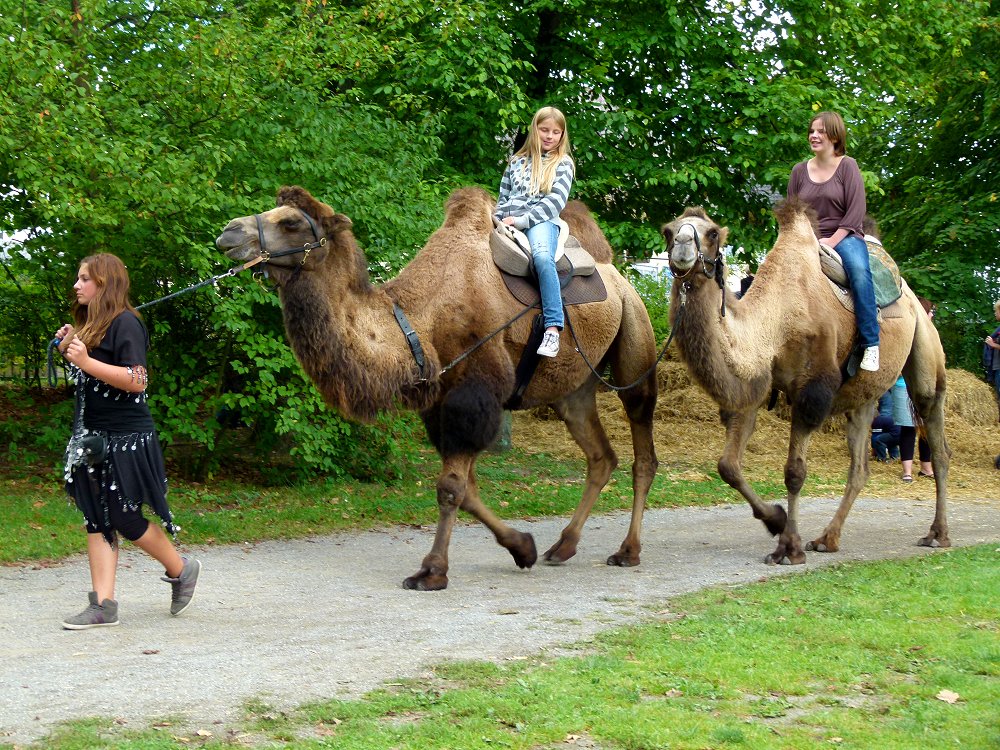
579 290
885 277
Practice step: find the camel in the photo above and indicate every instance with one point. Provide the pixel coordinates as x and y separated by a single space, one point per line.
789 334
347 338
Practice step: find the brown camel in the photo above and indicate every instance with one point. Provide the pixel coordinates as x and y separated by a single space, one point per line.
345 335
790 334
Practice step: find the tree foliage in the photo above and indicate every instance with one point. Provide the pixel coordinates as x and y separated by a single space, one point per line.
141 128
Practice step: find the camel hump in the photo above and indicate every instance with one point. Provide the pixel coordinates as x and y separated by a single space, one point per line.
469 206
583 226
793 209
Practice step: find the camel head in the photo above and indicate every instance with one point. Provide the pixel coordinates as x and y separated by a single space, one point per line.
299 223
692 238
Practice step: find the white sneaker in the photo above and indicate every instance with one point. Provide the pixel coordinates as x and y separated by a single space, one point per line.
550 344
870 360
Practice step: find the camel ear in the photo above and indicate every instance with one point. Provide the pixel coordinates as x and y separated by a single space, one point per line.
667 230
336 223
723 236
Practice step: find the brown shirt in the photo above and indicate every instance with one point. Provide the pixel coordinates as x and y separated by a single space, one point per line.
839 202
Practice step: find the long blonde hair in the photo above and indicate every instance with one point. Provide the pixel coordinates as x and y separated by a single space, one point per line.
543 174
110 298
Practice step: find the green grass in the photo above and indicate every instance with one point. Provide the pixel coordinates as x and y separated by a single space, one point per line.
855 656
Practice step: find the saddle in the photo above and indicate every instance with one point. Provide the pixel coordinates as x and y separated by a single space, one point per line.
512 255
885 277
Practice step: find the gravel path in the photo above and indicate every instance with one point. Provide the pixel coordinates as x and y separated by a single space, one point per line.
327 617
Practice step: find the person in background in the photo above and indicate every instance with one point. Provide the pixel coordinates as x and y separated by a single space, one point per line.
106 347
885 432
533 192
992 362
902 415
831 183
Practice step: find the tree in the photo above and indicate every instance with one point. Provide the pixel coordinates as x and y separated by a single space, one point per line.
941 208
140 128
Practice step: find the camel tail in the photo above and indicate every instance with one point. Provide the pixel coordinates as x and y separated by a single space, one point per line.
789 210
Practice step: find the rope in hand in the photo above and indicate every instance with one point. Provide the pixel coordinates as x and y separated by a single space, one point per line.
53 376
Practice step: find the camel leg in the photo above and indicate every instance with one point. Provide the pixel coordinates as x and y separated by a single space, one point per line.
930 407
858 431
451 487
789 550
520 544
457 487
739 428
639 403
579 412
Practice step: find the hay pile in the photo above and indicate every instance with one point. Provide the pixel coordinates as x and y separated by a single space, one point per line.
689 437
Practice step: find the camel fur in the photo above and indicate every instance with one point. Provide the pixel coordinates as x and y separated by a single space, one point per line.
343 332
789 333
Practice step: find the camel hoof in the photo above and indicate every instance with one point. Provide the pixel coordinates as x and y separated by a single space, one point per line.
934 542
621 560
773 559
523 551
818 546
425 583
559 552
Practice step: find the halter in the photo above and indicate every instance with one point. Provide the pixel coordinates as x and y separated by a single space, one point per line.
711 267
404 324
267 255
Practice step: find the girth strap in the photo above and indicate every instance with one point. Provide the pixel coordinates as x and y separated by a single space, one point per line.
411 338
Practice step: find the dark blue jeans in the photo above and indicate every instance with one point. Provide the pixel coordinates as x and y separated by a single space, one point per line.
854 253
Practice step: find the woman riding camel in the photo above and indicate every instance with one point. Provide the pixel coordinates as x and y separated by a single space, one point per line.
831 183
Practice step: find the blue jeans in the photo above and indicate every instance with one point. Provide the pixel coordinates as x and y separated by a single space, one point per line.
544 239
854 253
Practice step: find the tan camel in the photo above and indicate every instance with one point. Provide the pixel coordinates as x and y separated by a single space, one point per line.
790 334
346 337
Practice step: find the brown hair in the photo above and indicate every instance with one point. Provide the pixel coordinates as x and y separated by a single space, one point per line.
835 129
110 276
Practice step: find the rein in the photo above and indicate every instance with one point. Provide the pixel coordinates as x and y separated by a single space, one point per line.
634 383
53 376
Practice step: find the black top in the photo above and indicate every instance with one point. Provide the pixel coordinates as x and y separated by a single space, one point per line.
108 408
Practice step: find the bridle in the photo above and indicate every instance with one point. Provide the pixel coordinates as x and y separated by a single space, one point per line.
266 255
711 267
404 324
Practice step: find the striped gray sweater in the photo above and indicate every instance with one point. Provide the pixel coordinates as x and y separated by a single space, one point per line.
516 199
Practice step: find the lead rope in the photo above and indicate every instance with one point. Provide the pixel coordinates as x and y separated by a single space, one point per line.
652 368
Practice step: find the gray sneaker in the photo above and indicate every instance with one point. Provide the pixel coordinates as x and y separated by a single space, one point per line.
101 615
183 586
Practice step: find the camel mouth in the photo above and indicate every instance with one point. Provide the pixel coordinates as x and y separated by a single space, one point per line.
240 253
682 265
234 249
